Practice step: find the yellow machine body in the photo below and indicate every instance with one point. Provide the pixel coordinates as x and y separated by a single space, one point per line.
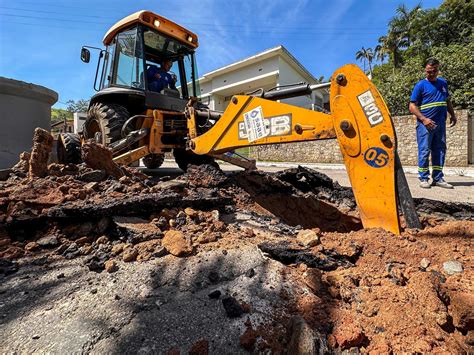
359 119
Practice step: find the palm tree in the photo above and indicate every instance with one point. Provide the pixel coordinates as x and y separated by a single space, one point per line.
380 51
391 45
366 54
403 22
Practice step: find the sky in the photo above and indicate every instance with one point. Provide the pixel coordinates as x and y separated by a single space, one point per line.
40 40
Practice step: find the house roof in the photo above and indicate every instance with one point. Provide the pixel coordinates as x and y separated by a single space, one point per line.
272 52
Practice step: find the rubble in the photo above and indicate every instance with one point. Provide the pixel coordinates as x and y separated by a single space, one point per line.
42 145
339 288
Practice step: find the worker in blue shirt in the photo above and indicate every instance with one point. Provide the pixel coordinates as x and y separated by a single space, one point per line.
159 78
430 103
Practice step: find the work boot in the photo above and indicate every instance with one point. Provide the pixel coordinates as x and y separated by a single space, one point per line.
443 184
425 184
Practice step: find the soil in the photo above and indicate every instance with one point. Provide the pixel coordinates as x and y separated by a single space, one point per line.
362 290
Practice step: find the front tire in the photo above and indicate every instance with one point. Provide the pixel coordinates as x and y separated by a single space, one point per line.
153 161
104 122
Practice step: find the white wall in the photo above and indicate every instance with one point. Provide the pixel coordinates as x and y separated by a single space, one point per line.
288 75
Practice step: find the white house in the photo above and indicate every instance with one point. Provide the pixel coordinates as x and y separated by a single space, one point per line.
268 69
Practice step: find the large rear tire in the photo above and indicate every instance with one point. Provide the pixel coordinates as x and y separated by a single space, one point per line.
104 122
184 158
153 161
68 148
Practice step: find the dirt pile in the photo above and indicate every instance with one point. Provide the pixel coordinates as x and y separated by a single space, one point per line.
346 288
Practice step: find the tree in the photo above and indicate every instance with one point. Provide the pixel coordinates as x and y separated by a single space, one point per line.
380 53
80 105
366 54
402 24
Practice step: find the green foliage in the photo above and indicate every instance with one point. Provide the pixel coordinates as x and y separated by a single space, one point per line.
80 105
58 114
396 84
415 35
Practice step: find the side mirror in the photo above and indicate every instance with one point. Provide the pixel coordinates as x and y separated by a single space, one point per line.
85 55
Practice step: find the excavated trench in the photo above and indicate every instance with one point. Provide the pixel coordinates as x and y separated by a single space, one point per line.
348 283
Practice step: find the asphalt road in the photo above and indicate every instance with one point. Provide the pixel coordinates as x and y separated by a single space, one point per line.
463 185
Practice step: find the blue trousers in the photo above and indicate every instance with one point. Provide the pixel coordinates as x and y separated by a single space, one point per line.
434 142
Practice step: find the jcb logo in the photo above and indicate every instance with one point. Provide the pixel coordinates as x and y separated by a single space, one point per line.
371 110
273 126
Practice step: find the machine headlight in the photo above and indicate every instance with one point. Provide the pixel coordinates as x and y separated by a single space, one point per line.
156 23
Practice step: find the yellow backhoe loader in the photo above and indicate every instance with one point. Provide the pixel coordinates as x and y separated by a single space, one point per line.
135 121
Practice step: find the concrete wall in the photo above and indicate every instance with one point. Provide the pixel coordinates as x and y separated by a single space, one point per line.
23 107
460 142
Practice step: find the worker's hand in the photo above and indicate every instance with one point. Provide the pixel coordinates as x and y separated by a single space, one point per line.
429 123
452 120
157 76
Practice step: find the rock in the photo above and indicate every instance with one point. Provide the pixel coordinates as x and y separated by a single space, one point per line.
91 187
424 263
93 176
201 347
149 249
23 164
215 215
12 252
207 238
129 254
99 157
42 145
248 233
86 249
169 185
176 243
110 266
461 309
304 340
232 307
102 240
248 339
83 240
32 246
308 238
452 267
349 334
118 248
60 250
95 262
190 212
48 241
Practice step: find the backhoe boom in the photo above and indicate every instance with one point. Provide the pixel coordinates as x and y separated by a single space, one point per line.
359 119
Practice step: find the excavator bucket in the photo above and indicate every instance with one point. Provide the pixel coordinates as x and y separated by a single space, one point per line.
367 140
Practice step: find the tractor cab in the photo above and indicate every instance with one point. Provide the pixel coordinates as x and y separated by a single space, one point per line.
131 64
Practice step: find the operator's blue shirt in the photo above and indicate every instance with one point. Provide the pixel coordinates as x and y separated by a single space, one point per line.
165 79
431 97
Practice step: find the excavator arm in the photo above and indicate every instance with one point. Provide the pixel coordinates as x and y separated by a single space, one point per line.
359 119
